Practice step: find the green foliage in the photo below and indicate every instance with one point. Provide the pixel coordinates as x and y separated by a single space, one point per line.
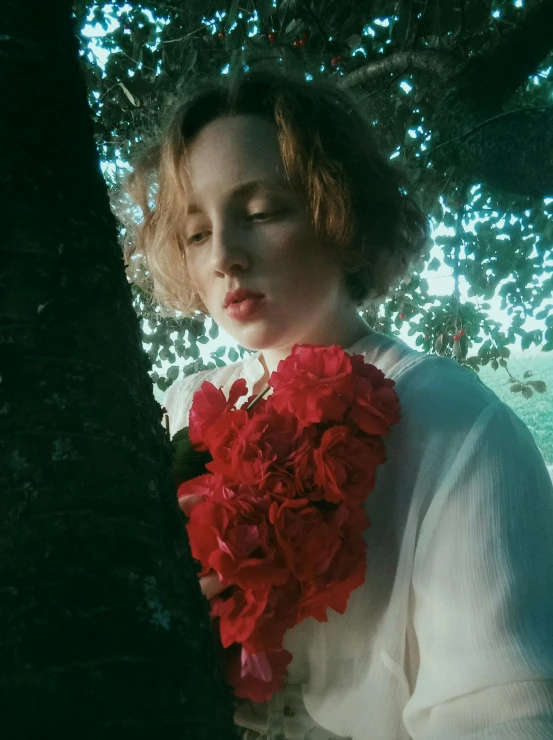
189 463
449 114
536 412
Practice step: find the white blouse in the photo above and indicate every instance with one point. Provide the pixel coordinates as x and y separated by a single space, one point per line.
451 635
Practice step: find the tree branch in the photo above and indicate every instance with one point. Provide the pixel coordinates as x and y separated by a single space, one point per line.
323 33
515 57
509 151
439 63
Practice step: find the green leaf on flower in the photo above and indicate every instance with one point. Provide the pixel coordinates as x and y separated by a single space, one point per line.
188 462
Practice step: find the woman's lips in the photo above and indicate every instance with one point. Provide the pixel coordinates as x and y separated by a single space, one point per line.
245 309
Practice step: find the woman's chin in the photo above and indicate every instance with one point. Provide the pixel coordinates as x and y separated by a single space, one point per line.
252 335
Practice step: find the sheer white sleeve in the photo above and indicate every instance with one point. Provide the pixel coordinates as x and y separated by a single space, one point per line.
483 587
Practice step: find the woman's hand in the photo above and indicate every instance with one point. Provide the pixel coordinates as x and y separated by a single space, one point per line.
210 584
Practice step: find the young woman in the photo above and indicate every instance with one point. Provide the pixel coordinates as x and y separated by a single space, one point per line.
273 185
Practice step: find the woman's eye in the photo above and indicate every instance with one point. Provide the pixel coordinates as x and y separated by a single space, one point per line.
264 215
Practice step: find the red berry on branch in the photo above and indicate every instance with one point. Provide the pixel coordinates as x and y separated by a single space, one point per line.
456 338
462 333
426 336
296 43
301 42
402 316
272 37
221 35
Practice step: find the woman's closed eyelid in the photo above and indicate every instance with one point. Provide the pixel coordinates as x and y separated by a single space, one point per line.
259 213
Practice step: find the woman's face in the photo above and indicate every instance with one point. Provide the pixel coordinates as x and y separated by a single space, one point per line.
258 237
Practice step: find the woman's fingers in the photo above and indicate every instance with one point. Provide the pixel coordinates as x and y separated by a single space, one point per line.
211 585
188 502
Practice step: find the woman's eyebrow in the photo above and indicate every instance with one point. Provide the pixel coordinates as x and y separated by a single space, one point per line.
248 188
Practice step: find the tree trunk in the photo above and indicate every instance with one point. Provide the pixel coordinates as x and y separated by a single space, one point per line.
102 622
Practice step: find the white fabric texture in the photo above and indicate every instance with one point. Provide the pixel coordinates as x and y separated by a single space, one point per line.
451 636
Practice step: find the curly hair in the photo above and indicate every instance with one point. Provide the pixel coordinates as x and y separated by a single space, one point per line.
358 201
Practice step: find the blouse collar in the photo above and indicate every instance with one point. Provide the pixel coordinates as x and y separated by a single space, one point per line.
252 368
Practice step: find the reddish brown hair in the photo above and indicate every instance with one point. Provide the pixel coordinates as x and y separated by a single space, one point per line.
358 200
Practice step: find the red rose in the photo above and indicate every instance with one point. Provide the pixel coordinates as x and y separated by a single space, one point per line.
207 520
256 677
331 590
230 533
257 618
245 451
304 469
319 596
282 518
376 405
202 485
208 404
279 615
292 477
300 460
309 538
312 384
220 438
239 613
280 484
345 464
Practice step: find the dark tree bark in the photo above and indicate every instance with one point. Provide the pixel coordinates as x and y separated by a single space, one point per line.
103 629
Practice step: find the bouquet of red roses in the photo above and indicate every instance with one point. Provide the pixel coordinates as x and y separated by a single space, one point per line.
282 517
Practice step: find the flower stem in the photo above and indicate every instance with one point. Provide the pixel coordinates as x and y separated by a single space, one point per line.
257 398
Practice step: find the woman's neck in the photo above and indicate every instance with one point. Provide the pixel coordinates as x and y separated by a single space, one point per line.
270 358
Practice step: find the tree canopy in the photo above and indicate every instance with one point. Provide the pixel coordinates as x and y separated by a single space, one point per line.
460 94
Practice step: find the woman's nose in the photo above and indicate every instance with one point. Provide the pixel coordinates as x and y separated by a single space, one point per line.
228 250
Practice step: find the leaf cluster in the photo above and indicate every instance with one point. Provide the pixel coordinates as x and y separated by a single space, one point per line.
490 241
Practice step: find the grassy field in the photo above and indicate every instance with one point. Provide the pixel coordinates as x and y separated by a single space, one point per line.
536 412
